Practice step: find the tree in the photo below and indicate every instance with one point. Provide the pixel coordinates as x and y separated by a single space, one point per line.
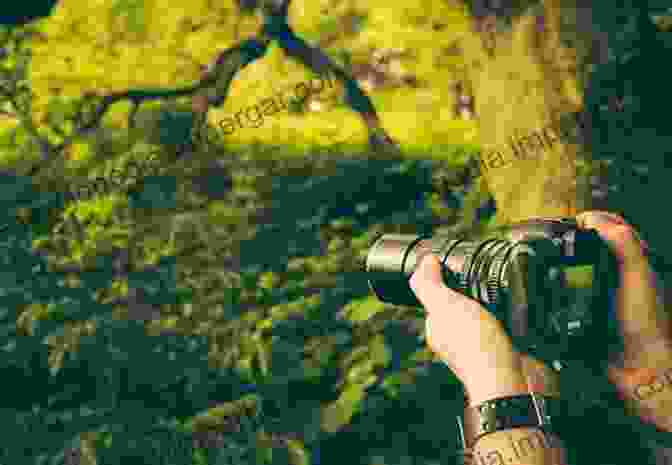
572 88
213 87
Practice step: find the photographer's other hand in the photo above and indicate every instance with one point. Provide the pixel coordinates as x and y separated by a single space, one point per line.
471 341
639 306
643 323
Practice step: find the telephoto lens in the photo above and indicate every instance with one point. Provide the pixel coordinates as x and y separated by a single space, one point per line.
476 269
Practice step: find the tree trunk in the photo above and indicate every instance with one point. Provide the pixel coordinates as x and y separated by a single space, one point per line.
524 79
534 72
534 65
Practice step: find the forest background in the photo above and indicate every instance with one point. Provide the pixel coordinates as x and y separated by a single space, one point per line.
229 284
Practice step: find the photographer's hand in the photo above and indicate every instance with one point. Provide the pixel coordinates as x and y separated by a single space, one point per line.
473 343
476 347
644 325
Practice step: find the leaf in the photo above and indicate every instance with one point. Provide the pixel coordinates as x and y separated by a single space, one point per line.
391 385
360 371
262 357
246 407
340 412
298 454
362 309
379 352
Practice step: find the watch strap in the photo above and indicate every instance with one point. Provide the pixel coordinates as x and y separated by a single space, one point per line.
531 410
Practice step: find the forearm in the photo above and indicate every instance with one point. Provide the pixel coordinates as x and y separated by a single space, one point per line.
641 308
646 380
518 446
648 396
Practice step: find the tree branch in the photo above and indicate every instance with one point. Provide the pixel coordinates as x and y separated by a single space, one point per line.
216 81
277 28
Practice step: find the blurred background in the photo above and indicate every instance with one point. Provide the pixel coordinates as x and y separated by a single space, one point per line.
222 298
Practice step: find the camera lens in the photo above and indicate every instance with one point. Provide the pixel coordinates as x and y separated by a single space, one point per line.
473 268
385 268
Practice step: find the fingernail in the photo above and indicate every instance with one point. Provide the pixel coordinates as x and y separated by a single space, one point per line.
429 260
424 268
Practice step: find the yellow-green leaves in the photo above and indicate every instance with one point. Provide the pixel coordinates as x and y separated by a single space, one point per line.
263 352
223 213
80 150
298 307
298 454
362 309
361 371
340 412
379 351
222 414
393 383
269 280
245 369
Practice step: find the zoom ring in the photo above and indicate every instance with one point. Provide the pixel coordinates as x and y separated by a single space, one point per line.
468 251
494 282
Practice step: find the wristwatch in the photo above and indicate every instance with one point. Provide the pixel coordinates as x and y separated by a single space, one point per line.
532 409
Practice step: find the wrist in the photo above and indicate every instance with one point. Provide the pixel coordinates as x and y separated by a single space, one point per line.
647 393
524 446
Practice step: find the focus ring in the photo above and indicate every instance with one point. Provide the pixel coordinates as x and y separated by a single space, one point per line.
494 282
468 251
482 267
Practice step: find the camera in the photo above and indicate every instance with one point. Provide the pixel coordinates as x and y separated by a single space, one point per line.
549 282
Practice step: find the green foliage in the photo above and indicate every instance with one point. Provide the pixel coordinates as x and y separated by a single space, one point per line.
124 400
133 13
264 332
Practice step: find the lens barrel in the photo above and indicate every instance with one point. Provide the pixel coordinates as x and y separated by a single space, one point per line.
393 258
474 269
388 270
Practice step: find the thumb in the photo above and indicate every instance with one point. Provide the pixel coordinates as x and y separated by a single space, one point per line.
428 272
427 281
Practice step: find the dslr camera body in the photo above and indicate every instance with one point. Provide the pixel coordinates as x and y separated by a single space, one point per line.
549 282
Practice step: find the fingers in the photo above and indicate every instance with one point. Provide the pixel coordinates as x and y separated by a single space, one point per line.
428 271
622 237
594 219
427 284
426 280
639 305
464 335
